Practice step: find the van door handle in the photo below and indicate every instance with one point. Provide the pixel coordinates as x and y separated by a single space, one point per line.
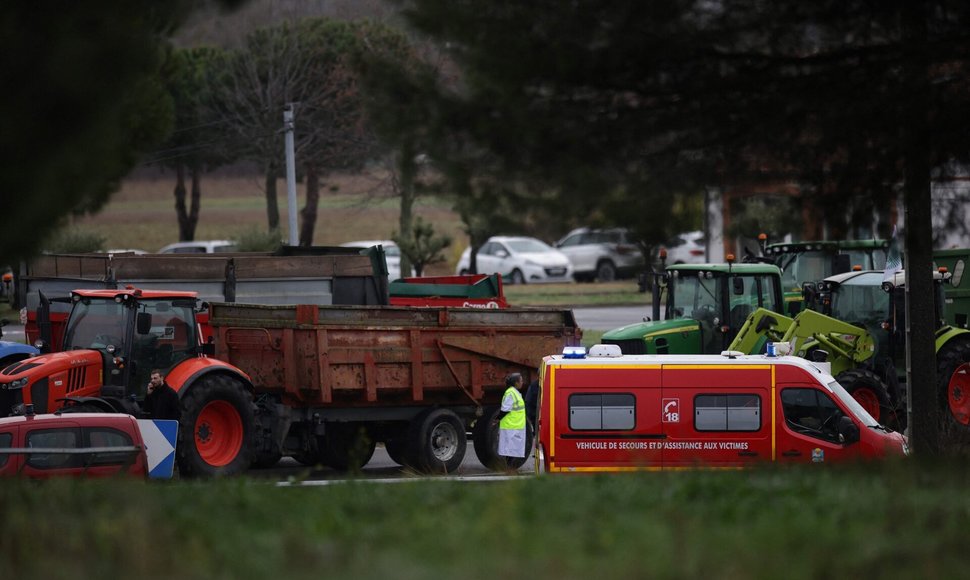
792 453
748 453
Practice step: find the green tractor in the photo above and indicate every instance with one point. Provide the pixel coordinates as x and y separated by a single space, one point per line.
957 292
862 329
705 306
803 262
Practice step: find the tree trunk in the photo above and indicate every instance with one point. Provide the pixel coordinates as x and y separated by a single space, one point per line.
924 402
272 205
309 211
185 228
196 202
408 170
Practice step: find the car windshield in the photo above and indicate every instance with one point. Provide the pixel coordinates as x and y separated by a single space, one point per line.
695 297
97 323
854 407
528 246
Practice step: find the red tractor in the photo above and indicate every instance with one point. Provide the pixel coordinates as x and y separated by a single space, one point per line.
112 341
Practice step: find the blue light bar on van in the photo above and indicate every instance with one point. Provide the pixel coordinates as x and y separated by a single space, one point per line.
574 352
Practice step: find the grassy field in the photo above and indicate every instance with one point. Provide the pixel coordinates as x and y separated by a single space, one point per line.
901 520
142 214
622 292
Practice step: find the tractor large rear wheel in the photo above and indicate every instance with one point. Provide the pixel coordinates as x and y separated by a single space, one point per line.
953 383
868 389
216 428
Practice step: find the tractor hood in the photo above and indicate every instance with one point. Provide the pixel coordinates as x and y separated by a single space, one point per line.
46 379
676 336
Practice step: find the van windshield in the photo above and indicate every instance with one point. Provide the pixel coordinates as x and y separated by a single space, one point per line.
853 405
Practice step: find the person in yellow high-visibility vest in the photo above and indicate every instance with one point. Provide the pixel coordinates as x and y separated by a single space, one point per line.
511 415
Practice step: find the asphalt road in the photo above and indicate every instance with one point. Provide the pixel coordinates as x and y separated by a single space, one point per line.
381 468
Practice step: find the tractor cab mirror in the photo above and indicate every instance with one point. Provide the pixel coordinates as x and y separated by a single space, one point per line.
143 323
738 285
208 348
848 431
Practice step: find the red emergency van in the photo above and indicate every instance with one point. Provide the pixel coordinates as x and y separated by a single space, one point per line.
604 411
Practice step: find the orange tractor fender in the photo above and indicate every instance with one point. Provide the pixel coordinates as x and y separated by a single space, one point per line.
190 370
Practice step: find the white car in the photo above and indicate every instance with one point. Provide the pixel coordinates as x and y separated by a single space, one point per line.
199 247
519 260
392 254
601 254
687 248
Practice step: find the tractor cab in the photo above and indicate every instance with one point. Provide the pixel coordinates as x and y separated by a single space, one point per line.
112 341
703 306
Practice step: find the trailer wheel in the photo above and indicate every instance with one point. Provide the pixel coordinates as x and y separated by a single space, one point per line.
953 383
347 447
485 438
215 437
438 441
868 389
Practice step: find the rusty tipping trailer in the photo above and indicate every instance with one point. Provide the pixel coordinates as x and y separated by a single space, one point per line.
330 382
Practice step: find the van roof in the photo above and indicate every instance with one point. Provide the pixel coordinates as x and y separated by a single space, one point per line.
700 359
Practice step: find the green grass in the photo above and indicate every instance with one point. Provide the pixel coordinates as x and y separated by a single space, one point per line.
623 292
891 521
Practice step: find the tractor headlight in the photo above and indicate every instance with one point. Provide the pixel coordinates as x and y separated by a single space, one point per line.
15 384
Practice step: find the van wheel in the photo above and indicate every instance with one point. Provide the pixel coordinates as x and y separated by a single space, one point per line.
868 389
485 439
216 428
438 441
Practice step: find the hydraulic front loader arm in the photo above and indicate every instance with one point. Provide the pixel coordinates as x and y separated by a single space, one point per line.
847 344
760 327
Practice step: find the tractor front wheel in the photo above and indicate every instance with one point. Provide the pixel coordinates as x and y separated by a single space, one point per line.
868 389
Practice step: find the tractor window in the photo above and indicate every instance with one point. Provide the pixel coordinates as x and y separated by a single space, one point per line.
171 339
96 323
863 305
811 412
606 412
696 297
53 439
755 292
806 267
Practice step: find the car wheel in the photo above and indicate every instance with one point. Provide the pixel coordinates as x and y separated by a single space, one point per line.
606 271
516 277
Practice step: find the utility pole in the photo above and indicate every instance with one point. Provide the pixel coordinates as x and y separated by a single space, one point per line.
290 174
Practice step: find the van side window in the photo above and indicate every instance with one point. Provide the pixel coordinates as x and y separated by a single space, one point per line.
602 412
811 412
54 439
6 439
727 412
107 437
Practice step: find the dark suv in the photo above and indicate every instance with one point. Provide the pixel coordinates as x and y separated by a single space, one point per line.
603 255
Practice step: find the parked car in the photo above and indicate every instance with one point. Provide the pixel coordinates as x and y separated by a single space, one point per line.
687 248
519 260
53 445
603 255
199 247
392 254
134 251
